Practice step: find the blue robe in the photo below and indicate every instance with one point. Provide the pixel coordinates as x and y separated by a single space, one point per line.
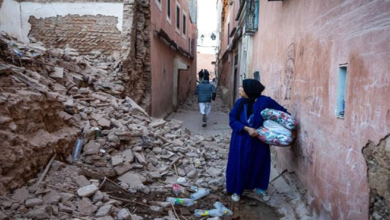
249 162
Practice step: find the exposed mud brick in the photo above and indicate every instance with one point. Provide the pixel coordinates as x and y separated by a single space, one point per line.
91 148
86 207
84 33
21 195
37 213
377 158
33 202
119 170
30 132
82 181
133 179
136 41
52 198
65 208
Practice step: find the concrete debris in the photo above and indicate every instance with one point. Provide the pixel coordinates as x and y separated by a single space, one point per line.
33 202
87 191
52 198
65 208
21 195
82 181
124 214
104 210
39 213
86 207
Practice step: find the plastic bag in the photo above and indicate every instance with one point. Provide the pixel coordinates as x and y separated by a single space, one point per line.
277 128
279 117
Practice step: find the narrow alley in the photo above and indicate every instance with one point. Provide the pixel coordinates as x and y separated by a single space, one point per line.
102 118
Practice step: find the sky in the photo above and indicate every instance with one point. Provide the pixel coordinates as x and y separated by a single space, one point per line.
207 24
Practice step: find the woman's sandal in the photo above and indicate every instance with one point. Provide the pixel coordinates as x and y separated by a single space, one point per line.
236 198
263 195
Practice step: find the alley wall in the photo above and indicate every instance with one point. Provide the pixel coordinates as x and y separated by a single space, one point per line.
300 48
173 73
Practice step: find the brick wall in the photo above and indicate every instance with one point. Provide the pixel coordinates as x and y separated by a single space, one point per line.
136 51
85 33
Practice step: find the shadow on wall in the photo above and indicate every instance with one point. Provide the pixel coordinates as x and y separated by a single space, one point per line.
377 158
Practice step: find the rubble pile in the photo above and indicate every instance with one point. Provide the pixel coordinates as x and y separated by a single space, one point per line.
191 103
53 99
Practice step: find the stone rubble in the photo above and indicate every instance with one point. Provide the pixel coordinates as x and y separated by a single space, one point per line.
142 155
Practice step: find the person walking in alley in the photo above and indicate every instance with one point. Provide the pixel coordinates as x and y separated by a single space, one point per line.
249 161
201 74
205 92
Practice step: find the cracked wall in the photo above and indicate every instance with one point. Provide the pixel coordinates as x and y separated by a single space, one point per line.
136 51
378 168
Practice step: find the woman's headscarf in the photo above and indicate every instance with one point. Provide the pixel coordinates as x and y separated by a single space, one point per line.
253 89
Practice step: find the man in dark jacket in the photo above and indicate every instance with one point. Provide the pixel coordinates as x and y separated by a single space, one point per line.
202 73
206 92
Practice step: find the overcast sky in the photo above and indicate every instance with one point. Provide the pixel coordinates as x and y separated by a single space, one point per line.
207 24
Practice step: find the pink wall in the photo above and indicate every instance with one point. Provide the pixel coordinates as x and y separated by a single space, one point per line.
312 38
204 62
162 57
226 69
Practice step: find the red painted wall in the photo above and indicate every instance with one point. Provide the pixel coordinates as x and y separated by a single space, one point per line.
162 57
299 46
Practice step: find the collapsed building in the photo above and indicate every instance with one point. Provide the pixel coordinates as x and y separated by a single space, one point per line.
55 101
157 43
74 70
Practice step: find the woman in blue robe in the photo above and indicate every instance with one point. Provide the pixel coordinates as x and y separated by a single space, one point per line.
249 162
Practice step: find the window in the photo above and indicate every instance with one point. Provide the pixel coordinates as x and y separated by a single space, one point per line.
341 91
192 46
228 34
169 11
189 45
159 4
256 75
178 17
184 23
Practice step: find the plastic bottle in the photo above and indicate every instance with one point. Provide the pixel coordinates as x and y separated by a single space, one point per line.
97 132
181 201
176 189
200 193
77 149
221 207
213 213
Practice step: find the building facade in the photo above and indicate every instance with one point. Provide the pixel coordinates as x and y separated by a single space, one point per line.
173 57
327 62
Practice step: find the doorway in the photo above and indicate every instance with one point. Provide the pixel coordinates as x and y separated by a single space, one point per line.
178 65
235 79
